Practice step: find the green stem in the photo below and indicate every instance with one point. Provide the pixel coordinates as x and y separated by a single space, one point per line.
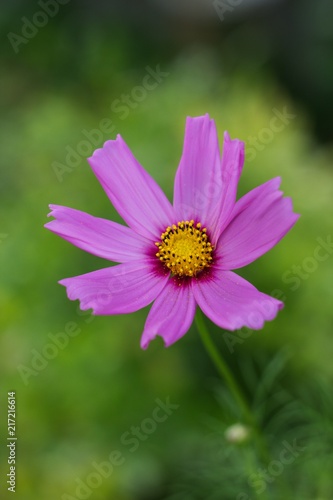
223 368
230 380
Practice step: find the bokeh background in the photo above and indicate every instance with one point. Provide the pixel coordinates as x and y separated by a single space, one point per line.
76 68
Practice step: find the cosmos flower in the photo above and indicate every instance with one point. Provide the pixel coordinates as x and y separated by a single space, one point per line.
178 256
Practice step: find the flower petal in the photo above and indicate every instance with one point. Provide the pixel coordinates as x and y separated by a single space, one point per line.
232 302
171 314
100 237
232 165
198 181
259 220
135 195
121 289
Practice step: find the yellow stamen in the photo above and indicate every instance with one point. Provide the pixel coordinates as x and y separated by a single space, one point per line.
185 248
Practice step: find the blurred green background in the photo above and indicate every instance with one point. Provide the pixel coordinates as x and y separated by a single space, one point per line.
62 73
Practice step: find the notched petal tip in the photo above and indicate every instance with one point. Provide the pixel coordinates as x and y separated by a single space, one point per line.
232 302
72 294
200 118
70 290
233 142
260 219
280 305
288 212
226 136
53 208
119 289
106 145
145 341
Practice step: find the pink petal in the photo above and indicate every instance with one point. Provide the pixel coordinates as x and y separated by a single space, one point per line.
232 165
100 237
232 302
171 314
135 195
198 181
259 220
124 288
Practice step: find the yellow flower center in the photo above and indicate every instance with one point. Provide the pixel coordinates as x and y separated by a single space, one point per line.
185 249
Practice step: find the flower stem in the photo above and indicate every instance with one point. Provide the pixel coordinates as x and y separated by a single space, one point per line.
230 380
223 368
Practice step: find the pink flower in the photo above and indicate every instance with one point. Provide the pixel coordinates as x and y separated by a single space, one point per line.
179 255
